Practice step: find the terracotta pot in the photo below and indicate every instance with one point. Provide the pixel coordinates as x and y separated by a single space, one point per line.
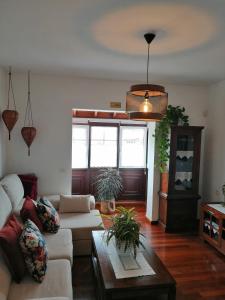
28 134
108 207
10 118
164 182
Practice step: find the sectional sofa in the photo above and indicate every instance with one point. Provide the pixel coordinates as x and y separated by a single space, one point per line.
73 238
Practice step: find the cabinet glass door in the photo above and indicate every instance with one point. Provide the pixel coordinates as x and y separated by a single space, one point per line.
184 163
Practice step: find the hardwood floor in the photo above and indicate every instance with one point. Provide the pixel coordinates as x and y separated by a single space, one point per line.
198 269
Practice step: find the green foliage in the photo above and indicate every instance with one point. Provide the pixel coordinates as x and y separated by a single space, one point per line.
108 184
174 116
125 229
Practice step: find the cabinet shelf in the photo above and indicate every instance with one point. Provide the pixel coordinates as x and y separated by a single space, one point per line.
212 225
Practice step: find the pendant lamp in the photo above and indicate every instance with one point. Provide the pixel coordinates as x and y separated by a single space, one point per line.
147 102
10 116
28 131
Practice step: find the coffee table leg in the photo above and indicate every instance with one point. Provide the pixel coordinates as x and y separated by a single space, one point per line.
172 293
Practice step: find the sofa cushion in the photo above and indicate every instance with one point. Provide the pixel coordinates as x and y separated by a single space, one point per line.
60 245
55 200
29 211
92 202
74 203
48 216
17 209
34 249
14 188
5 278
5 207
9 242
57 282
81 224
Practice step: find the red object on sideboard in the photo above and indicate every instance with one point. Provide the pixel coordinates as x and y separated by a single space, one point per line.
29 182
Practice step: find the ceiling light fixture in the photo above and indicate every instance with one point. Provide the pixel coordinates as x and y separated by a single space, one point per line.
147 102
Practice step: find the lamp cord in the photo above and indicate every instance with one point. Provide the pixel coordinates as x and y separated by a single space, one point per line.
148 62
10 87
28 113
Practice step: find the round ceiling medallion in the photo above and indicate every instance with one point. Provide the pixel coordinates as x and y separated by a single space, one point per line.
178 27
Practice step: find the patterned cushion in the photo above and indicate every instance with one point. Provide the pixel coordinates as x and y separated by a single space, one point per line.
48 216
34 249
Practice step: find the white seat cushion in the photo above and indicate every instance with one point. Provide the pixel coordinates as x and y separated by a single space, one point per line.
60 245
5 207
57 283
81 224
14 189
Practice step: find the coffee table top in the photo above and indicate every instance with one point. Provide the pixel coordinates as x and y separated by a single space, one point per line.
161 279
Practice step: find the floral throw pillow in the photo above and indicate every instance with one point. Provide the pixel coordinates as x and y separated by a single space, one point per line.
34 250
48 216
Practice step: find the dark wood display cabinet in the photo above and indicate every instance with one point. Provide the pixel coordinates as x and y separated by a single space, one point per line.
212 226
178 196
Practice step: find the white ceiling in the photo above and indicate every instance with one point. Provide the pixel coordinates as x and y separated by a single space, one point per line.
104 38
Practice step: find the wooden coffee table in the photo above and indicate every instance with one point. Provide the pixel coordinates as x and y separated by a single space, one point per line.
108 287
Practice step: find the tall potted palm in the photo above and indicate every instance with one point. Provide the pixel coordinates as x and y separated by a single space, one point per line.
108 186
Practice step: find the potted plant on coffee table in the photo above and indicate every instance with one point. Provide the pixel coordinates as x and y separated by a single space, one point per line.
108 186
125 230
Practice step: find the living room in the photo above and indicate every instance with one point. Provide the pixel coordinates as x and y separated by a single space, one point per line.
85 56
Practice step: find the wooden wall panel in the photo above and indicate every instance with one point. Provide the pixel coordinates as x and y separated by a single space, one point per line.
134 182
80 182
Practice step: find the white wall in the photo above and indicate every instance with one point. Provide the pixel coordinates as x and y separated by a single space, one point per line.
2 132
215 144
53 98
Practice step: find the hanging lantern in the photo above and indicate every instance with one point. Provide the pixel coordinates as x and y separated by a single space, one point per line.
10 116
147 102
28 131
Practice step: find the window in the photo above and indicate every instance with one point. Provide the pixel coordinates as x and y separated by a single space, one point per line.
80 146
108 146
103 146
132 147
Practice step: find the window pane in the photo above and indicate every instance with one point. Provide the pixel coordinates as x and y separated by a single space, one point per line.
80 146
133 147
103 146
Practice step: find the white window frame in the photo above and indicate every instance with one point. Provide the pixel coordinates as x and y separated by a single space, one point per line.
145 147
90 139
86 126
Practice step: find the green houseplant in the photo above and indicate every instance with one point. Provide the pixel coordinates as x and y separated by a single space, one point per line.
108 186
126 230
175 115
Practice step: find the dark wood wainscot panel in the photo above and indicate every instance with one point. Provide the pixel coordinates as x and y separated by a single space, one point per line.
80 182
134 182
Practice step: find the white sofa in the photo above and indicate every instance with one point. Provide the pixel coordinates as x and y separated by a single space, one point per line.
81 225
75 228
